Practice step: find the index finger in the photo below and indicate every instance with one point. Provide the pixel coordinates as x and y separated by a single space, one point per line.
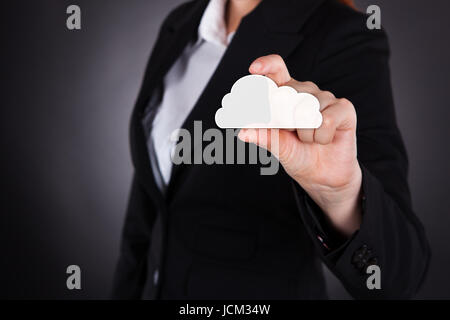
272 66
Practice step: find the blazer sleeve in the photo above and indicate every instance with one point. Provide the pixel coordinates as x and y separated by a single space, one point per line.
353 63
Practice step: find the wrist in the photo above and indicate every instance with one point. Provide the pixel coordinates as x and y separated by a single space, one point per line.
341 205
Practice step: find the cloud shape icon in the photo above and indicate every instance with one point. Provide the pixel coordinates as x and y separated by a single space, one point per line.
256 101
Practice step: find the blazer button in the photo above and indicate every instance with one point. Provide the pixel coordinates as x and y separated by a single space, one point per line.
363 257
155 277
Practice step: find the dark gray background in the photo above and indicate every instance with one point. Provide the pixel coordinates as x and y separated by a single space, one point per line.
66 101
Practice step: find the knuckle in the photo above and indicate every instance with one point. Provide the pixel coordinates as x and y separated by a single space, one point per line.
306 135
327 121
323 136
345 103
329 95
276 57
311 84
349 110
276 60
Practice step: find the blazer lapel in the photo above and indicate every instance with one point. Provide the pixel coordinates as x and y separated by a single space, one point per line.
273 27
174 35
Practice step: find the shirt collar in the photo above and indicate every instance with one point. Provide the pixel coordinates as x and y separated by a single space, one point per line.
212 26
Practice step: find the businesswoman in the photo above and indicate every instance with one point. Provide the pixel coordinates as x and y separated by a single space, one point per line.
341 197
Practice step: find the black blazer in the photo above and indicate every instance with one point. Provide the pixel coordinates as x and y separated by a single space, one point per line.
225 231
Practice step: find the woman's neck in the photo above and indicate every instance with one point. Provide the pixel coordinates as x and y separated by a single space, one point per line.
236 10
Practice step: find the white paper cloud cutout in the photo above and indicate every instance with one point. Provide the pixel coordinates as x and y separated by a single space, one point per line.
256 101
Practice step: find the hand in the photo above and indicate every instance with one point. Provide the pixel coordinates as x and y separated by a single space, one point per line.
324 160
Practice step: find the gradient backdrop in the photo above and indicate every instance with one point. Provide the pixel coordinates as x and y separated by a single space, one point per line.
66 99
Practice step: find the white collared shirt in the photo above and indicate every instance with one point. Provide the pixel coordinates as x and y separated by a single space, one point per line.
185 81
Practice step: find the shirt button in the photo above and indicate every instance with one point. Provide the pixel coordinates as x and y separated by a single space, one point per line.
155 277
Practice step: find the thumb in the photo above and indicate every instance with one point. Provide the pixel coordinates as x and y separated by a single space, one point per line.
279 142
260 137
